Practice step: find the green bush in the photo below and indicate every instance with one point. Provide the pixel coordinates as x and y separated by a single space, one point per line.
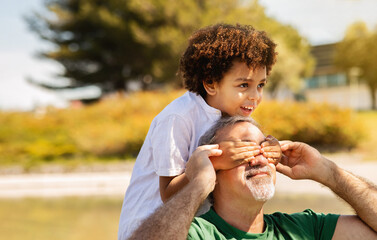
116 127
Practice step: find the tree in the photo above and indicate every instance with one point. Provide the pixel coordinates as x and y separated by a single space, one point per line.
358 51
108 43
98 42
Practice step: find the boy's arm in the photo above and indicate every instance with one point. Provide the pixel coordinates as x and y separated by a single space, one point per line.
232 154
171 185
305 162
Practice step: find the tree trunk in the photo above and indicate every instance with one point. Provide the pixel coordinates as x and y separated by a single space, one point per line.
373 95
374 99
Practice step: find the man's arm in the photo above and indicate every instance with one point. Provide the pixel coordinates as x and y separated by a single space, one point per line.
362 196
173 219
305 162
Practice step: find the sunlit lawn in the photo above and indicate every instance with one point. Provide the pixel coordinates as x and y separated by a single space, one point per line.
96 218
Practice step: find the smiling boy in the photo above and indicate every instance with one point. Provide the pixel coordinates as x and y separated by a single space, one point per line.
241 87
224 68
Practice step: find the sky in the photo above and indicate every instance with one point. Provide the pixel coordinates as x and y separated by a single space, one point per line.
320 21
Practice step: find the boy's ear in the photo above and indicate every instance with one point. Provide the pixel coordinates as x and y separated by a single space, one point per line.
210 87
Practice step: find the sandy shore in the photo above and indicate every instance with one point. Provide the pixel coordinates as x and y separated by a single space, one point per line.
115 182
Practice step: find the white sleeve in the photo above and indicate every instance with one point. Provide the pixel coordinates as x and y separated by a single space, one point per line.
170 142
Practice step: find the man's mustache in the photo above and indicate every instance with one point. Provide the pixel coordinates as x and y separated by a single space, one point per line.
257 169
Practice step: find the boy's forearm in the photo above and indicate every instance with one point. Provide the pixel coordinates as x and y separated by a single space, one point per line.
171 185
172 220
360 194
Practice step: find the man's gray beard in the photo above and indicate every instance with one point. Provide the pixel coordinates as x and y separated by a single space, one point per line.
262 188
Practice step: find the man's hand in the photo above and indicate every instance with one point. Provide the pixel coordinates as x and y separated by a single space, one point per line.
305 162
271 150
234 154
199 167
302 161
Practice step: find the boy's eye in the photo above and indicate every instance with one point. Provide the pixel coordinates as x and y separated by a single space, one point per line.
261 85
244 85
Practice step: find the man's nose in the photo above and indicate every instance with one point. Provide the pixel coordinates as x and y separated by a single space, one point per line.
259 160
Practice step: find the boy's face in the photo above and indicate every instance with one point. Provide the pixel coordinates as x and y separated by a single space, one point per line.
239 92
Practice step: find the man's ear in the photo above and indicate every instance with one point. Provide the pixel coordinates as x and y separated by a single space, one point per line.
211 88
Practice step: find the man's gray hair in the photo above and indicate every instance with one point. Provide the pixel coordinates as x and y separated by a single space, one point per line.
209 136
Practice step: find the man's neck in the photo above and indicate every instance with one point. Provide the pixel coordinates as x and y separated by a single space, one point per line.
245 216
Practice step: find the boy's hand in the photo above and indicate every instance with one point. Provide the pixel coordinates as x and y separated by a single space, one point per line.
234 154
271 150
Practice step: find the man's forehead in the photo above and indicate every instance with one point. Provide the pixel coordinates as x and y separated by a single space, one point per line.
242 131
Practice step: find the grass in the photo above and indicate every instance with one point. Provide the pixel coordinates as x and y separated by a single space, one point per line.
96 218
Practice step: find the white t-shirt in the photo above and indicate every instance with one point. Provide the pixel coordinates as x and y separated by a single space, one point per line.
172 137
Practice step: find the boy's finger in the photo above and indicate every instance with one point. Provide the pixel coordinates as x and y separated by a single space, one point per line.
247 149
272 154
273 160
237 144
244 144
249 159
271 149
247 154
270 143
241 161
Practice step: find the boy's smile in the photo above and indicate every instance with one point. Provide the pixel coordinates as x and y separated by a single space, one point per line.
240 90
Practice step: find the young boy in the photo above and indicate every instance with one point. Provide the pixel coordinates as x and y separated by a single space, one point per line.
224 68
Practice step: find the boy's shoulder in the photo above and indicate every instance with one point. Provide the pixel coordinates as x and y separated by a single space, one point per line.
183 106
189 109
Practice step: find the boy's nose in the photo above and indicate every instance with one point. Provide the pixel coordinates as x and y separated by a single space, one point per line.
254 95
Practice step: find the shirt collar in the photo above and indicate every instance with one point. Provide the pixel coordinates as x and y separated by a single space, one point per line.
203 104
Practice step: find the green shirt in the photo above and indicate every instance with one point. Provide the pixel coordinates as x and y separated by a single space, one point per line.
303 225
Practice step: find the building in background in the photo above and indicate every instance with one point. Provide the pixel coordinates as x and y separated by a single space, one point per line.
329 84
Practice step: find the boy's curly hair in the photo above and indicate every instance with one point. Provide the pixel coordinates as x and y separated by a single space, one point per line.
212 49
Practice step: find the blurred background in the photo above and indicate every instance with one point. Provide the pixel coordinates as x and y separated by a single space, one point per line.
81 80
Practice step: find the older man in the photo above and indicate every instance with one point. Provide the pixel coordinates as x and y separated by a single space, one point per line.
241 192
